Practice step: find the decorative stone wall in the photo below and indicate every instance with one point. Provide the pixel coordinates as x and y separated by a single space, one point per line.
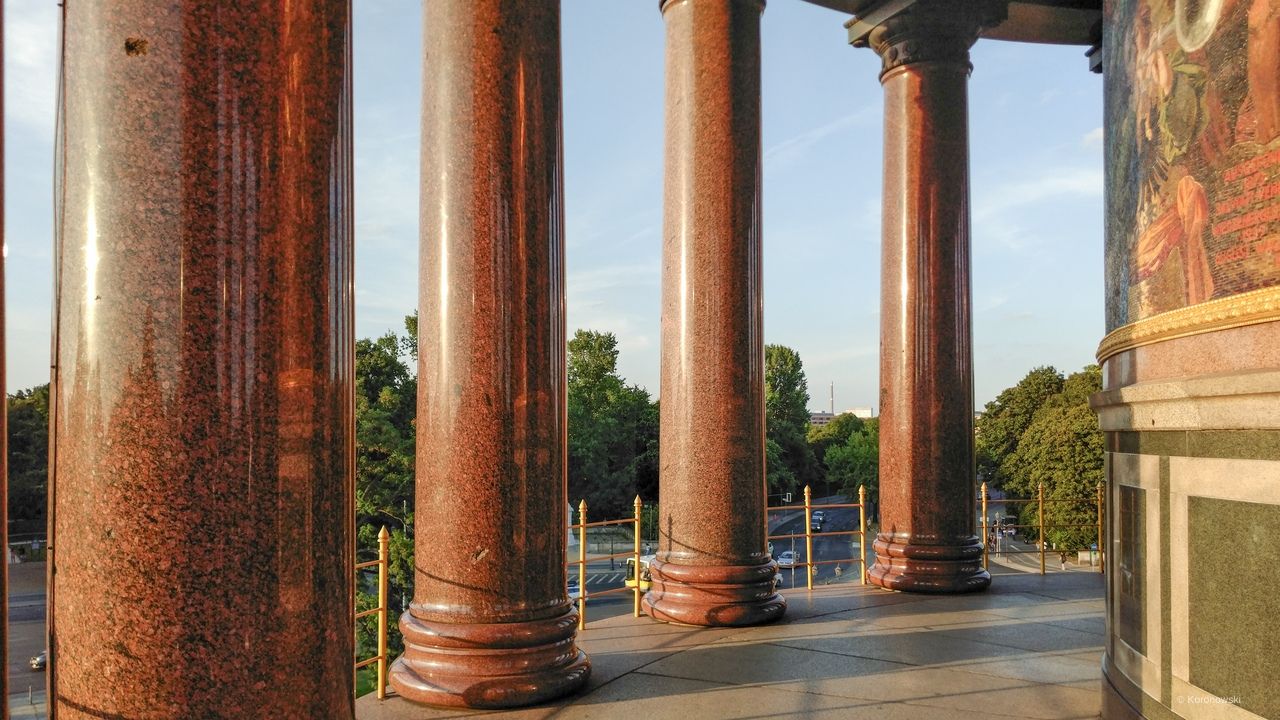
1191 366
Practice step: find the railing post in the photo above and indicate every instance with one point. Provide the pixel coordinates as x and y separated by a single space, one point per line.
862 531
635 610
1040 507
582 564
384 560
986 536
1102 560
808 537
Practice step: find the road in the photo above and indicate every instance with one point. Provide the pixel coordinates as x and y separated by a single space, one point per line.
832 543
26 626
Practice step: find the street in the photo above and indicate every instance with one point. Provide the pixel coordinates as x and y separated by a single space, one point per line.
26 628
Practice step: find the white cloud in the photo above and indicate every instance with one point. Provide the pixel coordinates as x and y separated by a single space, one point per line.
796 147
31 64
1049 185
1048 96
609 278
1093 138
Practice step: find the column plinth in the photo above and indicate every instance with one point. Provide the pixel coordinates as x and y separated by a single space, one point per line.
490 625
927 542
711 566
203 437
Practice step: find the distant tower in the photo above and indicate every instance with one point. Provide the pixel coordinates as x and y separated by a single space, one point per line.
833 398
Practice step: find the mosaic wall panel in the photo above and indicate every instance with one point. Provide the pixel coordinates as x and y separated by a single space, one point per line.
1193 148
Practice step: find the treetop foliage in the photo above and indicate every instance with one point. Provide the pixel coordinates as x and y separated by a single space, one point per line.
28 458
789 459
1006 418
613 430
1057 443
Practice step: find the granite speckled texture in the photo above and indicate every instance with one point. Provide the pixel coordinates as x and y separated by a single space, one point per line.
711 566
1234 603
927 541
1236 350
202 483
490 624
4 418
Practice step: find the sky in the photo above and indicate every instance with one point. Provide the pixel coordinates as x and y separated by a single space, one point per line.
1036 168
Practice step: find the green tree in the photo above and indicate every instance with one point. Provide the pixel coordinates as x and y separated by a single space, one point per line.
613 430
386 405
786 403
837 432
856 463
778 473
1006 418
1062 448
29 458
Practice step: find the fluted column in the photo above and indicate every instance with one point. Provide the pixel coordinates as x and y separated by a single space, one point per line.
490 624
927 540
202 470
4 415
711 566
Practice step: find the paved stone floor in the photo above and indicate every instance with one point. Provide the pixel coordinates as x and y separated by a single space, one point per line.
1030 647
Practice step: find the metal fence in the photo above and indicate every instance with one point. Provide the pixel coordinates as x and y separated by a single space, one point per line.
380 659
809 507
637 569
990 530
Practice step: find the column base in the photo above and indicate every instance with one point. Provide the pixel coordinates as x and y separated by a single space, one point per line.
921 568
713 595
493 665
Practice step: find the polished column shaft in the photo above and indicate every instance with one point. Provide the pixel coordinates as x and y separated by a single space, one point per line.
927 540
202 464
711 566
490 624
4 415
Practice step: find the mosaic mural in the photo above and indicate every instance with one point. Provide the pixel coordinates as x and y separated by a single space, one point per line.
1193 152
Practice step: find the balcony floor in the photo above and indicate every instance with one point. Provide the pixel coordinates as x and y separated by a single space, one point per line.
1030 647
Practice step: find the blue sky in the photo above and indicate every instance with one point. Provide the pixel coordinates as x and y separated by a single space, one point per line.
1036 165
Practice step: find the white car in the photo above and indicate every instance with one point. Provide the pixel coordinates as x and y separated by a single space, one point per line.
787 559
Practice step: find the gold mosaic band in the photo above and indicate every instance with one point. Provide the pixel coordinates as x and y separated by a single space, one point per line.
1251 308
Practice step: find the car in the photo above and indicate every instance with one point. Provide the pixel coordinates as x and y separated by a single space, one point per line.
1010 525
787 558
39 661
770 548
819 515
815 525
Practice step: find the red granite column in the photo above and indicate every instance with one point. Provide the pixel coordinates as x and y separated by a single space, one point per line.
4 419
711 566
927 540
201 502
490 624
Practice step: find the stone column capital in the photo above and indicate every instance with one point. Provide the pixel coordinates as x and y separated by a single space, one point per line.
664 4
931 31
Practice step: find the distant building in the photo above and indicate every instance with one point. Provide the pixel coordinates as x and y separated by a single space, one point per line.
823 417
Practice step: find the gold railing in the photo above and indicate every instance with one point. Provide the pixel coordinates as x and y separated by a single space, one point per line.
381 611
581 526
808 507
1040 525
